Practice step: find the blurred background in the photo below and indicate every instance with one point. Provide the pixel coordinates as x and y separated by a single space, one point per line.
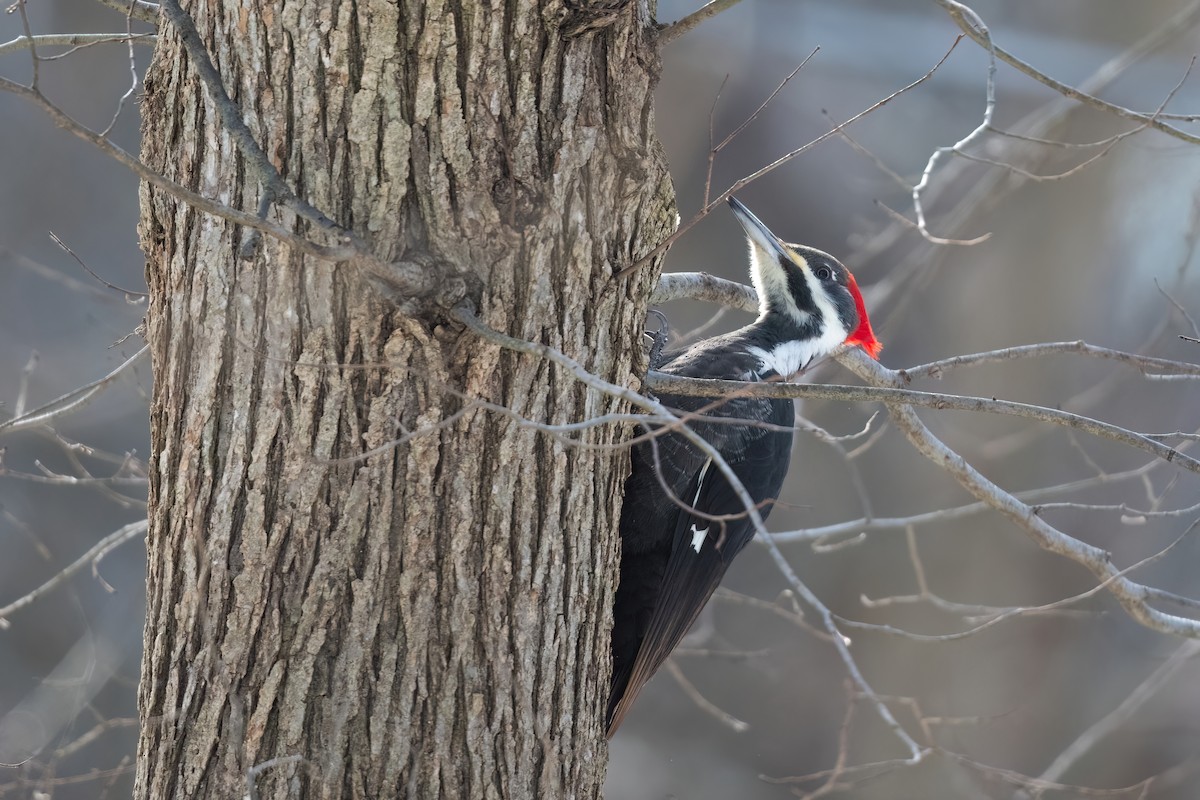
1105 255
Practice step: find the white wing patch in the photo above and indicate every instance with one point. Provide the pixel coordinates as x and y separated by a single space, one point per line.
699 534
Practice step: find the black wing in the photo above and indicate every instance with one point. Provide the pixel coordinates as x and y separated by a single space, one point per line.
663 590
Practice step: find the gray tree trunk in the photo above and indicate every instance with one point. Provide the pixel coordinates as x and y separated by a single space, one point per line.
425 620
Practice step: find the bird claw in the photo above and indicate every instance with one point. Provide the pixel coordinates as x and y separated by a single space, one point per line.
658 338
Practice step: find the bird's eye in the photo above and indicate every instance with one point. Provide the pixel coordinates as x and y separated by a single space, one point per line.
824 273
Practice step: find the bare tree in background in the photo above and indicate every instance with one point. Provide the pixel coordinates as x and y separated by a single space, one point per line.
398 260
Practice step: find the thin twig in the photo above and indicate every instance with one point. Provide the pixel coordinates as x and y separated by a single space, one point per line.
1040 787
1145 364
715 149
133 73
1108 144
125 159
989 110
820 534
127 292
712 150
98 550
745 181
878 162
73 400
30 43
905 278
703 703
991 619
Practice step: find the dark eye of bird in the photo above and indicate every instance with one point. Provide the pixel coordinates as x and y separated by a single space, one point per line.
824 273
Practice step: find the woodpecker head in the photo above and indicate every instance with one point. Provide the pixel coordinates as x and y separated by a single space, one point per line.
807 286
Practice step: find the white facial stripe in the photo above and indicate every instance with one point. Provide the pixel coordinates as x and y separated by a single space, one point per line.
764 274
770 280
829 312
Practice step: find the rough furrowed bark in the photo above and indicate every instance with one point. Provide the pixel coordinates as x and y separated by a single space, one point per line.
430 620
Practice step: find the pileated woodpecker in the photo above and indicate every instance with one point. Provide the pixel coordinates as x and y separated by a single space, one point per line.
682 524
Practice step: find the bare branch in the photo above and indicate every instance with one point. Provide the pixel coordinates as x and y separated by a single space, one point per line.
67 123
55 276
1175 303
138 9
989 187
822 533
672 384
996 616
94 734
705 288
75 40
832 782
961 13
878 162
71 401
1131 595
712 150
408 278
715 149
682 26
793 615
1040 787
231 119
1107 144
763 105
97 551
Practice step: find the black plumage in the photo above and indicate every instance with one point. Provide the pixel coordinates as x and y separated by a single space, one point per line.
682 523
665 581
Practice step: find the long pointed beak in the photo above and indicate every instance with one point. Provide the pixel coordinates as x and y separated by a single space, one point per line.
759 234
